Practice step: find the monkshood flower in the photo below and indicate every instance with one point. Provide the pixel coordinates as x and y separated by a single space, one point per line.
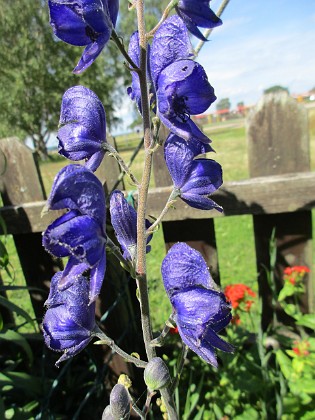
124 221
197 13
69 320
180 85
195 179
83 127
84 23
80 233
183 90
200 309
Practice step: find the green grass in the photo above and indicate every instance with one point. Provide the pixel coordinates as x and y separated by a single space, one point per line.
234 235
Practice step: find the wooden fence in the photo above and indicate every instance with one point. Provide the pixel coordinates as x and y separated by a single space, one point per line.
279 195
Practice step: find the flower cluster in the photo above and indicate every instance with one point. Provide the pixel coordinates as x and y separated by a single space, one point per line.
301 348
238 295
178 88
295 274
200 309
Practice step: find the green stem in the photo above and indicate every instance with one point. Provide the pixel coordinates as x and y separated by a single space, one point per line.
207 32
180 367
170 202
121 162
166 12
110 342
142 204
121 48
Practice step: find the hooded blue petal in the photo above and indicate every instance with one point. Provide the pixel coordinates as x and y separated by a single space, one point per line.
77 188
179 154
170 43
83 22
184 267
200 310
83 126
69 320
194 178
197 13
80 233
124 221
183 90
134 90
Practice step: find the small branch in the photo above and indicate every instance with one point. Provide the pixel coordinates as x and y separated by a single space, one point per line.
159 341
170 202
123 165
166 12
116 252
110 342
207 32
121 48
146 407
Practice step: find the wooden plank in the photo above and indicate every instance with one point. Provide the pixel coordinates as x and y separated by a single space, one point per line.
197 232
263 195
278 143
20 184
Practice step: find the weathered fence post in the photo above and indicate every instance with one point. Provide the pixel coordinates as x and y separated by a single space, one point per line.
21 184
278 143
197 233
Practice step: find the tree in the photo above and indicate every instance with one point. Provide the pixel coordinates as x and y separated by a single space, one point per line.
276 88
33 79
223 104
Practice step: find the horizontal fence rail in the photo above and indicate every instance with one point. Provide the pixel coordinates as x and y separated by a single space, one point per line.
262 195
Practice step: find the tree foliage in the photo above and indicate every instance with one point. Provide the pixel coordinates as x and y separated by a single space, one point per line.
36 69
223 103
276 88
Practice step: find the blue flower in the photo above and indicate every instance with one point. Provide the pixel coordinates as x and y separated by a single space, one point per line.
179 86
197 13
83 127
194 178
183 90
200 309
69 320
124 221
79 233
84 23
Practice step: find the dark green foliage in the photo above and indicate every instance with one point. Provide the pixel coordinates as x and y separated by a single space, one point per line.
276 88
36 69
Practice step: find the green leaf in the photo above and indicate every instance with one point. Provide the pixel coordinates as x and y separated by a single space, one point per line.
284 363
30 385
14 308
4 256
307 321
286 291
290 309
19 340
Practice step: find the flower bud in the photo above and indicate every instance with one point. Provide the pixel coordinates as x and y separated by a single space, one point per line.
120 402
156 374
107 413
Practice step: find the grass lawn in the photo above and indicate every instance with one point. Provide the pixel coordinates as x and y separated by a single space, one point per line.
234 234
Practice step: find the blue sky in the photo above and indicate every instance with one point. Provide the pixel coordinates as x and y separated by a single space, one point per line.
261 43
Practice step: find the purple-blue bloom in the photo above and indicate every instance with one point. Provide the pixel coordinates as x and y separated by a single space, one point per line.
124 221
83 127
69 320
197 13
194 178
183 90
180 87
79 233
84 23
200 309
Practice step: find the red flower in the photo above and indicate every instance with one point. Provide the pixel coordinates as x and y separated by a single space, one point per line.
173 331
301 347
237 294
